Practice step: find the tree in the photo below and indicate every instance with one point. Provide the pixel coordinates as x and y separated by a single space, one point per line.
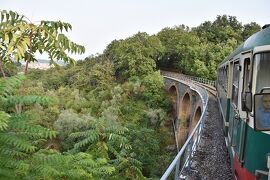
8 21
19 135
50 164
170 39
20 39
227 21
178 42
69 122
154 93
135 56
23 142
222 29
250 29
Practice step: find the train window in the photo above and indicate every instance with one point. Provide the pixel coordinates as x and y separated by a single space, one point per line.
226 78
247 71
223 78
246 96
235 85
263 72
262 112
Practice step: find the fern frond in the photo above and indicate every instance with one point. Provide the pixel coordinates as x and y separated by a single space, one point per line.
8 152
17 142
34 131
10 17
75 173
138 172
9 85
29 100
84 142
3 120
89 133
117 129
6 173
50 164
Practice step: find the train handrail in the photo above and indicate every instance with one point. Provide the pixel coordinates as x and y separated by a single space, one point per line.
198 128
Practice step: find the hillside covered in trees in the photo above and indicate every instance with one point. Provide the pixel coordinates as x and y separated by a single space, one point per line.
197 51
107 116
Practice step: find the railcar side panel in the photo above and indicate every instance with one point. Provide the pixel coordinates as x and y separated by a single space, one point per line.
236 86
257 147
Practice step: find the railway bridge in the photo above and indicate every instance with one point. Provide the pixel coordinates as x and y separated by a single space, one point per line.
191 115
189 102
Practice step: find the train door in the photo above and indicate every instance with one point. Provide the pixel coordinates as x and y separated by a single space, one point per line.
245 86
240 81
234 110
229 106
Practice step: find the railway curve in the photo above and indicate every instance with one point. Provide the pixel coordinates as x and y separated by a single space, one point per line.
210 160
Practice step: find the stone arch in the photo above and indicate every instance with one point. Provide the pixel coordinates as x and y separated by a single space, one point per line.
196 118
184 119
173 94
185 106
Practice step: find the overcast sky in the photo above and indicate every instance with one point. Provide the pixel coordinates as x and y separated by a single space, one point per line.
96 23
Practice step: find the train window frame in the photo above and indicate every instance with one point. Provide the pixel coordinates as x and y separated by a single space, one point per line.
227 77
247 83
253 67
255 115
221 73
232 88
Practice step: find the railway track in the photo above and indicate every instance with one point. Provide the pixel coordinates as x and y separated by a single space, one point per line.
205 83
211 159
212 90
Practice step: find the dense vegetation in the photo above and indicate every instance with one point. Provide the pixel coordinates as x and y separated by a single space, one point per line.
198 51
107 117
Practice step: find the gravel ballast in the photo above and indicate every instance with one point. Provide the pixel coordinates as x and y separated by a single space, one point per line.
211 160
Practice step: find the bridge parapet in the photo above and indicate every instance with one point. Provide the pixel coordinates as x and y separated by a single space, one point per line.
190 107
189 78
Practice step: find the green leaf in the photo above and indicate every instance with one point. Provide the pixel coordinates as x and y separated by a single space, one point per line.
6 38
20 51
3 120
27 40
10 49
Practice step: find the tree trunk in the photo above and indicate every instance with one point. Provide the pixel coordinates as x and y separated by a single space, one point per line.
27 61
18 108
2 70
26 67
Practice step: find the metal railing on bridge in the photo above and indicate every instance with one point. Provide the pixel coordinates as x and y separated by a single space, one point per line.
189 78
183 157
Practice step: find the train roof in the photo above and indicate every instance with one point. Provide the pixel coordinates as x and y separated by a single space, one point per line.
258 39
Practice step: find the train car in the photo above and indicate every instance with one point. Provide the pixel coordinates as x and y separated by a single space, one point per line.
243 90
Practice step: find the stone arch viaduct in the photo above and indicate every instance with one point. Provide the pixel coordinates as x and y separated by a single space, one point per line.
190 103
187 107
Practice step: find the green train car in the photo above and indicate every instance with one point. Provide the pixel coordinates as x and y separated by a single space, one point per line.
243 89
